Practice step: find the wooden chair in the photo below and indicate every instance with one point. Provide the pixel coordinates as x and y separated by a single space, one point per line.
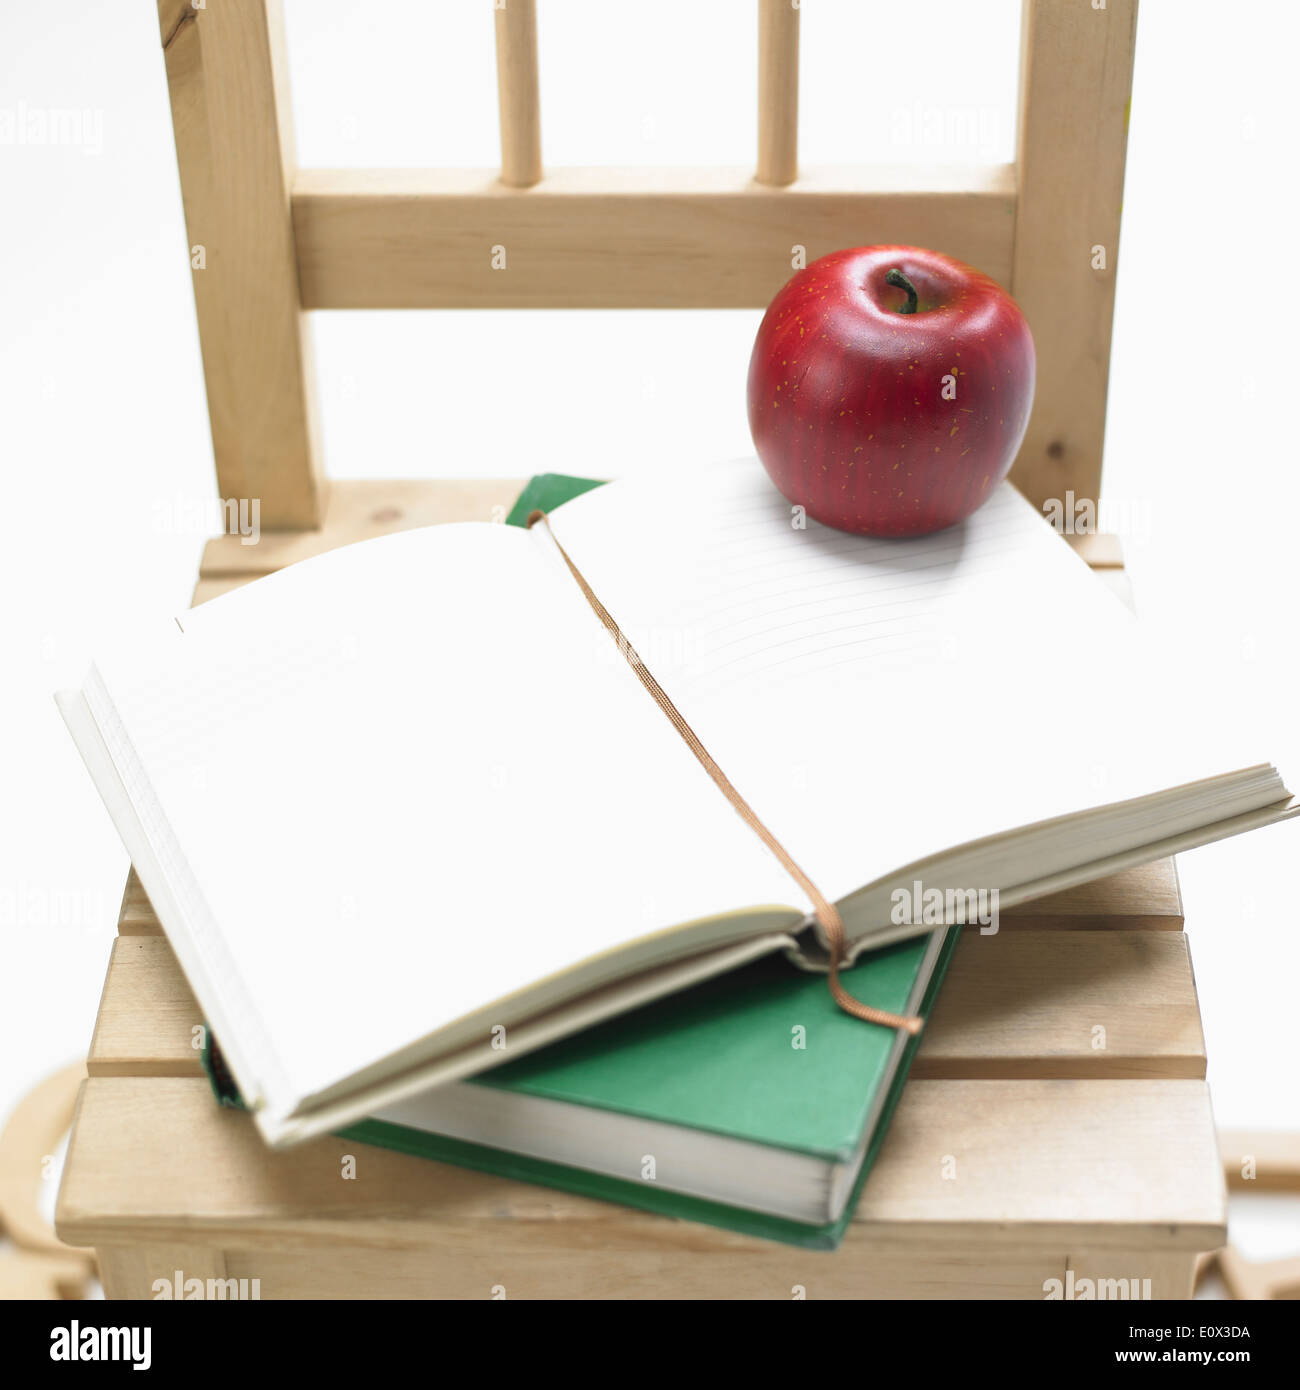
1058 1118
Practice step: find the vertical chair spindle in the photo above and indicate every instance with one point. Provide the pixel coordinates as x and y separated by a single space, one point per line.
1076 77
778 91
228 79
517 93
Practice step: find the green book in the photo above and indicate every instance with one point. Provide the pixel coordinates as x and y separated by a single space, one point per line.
750 1102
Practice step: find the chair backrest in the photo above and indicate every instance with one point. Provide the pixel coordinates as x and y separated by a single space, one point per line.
270 241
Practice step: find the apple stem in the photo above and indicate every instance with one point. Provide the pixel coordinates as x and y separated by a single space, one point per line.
900 281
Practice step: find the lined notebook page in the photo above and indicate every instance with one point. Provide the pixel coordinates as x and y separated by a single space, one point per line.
404 792
880 701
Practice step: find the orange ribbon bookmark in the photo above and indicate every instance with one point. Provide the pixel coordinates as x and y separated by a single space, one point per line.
826 913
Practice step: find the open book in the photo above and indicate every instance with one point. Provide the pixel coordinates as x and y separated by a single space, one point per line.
406 812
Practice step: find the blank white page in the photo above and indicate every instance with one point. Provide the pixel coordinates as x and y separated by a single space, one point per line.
878 701
413 776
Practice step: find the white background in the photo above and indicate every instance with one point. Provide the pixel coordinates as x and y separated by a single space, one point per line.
107 463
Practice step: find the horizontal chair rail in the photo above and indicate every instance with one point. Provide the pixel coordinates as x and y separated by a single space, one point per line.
623 238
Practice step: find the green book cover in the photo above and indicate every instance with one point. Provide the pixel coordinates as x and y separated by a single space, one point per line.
761 1054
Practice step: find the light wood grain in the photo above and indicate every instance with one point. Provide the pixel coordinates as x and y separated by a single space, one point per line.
518 94
1066 1004
1076 77
131 1272
234 144
1271 1156
1027 1005
171 15
1100 550
136 914
778 92
148 1016
31 1135
25 1275
622 239
899 1268
361 510
1150 1275
1146 898
1259 1279
1108 1164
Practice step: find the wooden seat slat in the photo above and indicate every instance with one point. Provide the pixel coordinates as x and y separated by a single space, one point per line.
1120 1165
1018 1005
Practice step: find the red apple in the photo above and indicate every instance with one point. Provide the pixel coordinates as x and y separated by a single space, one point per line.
889 389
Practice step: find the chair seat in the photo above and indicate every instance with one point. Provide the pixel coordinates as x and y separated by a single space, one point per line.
1057 1116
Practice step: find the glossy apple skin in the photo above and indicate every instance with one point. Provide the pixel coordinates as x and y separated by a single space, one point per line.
847 395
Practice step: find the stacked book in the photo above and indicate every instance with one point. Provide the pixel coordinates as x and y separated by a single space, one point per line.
444 877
